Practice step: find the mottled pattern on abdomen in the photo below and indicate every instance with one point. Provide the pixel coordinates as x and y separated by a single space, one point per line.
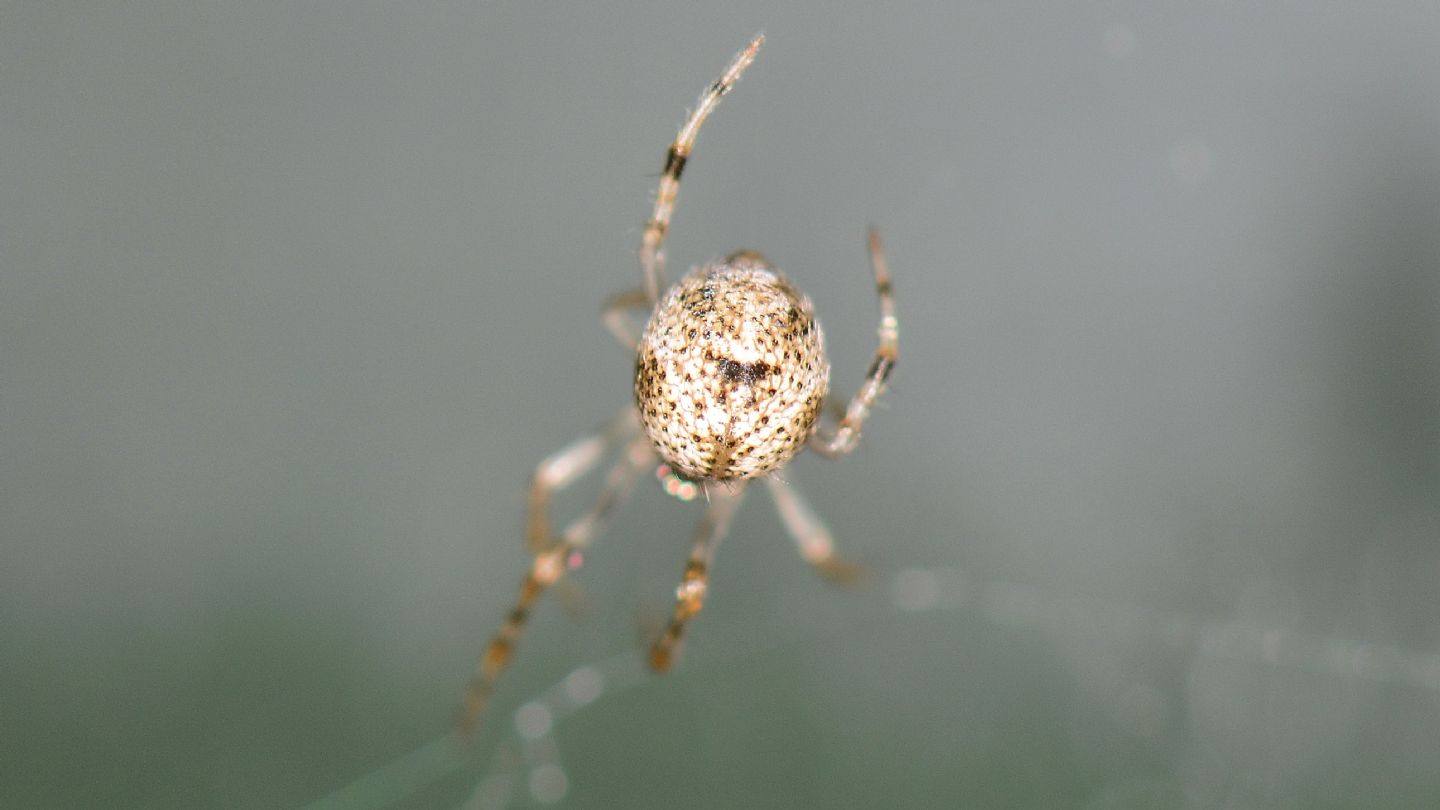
731 372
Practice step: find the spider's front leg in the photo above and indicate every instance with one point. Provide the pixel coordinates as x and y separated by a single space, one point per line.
690 594
555 555
652 244
846 434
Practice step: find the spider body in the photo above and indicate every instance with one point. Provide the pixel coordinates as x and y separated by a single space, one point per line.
731 373
730 381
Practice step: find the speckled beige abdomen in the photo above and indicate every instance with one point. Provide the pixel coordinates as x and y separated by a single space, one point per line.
731 373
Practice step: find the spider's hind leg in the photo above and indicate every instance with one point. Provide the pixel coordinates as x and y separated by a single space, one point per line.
555 555
563 468
811 536
690 593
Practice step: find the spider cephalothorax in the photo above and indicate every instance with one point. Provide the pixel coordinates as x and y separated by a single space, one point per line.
730 381
731 371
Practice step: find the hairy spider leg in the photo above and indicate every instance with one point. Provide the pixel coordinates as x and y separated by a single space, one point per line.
690 593
557 555
812 538
847 433
652 245
560 469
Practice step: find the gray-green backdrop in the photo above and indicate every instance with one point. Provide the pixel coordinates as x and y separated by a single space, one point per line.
294 295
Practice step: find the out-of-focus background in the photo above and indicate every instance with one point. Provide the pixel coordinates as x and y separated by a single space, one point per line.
294 296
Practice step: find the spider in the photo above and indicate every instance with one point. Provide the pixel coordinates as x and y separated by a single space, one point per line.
730 380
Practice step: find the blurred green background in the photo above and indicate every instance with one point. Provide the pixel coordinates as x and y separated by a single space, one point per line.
294 295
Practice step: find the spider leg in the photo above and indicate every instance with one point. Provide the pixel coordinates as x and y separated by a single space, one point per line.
552 561
616 321
561 469
639 455
847 433
652 245
814 540
690 594
577 535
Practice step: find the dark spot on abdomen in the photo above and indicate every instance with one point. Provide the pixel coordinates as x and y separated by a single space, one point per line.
744 373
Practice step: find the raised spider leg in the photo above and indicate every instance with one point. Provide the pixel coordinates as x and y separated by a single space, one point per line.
652 245
616 320
556 556
811 536
690 594
847 433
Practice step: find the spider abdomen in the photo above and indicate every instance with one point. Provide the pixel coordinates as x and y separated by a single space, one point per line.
731 373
